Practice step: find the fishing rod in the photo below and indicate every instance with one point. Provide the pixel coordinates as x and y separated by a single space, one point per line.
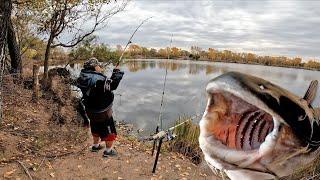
161 102
164 86
129 41
167 133
161 136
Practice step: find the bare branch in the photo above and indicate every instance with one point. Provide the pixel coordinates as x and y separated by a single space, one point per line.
98 24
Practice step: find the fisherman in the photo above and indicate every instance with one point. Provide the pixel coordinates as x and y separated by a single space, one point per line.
97 100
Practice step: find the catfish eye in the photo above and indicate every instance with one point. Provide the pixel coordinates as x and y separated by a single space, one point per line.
261 86
302 117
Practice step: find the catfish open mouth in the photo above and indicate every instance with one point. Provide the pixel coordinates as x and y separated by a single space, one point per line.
253 129
236 123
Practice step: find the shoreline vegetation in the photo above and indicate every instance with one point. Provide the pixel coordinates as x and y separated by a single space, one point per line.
107 54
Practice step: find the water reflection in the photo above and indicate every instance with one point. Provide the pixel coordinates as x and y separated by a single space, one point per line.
141 88
193 68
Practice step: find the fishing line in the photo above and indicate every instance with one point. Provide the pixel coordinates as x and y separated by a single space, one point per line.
129 41
164 86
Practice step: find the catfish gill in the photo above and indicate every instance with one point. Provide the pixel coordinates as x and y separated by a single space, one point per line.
253 129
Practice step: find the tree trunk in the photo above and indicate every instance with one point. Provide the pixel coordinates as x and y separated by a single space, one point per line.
14 50
46 60
5 13
35 95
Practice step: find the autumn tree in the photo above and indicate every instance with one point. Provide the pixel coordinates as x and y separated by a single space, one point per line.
175 52
251 57
163 53
212 54
195 52
104 53
66 23
144 52
153 52
185 53
134 50
88 48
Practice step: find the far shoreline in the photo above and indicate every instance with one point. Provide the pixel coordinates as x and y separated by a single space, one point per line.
63 63
289 67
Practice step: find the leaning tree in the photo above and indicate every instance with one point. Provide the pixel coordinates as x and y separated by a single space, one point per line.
66 23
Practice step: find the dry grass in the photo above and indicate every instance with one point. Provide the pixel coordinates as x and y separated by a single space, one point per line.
310 171
186 141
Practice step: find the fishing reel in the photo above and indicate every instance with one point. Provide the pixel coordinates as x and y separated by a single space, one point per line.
171 135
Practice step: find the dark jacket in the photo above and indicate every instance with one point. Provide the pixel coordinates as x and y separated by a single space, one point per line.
97 89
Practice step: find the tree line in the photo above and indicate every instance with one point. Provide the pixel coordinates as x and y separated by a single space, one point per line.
105 53
211 54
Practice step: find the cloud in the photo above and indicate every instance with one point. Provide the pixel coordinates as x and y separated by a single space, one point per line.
265 27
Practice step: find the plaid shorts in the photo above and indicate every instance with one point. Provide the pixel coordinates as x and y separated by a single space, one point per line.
102 125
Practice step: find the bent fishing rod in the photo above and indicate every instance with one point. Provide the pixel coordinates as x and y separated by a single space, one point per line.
124 50
129 41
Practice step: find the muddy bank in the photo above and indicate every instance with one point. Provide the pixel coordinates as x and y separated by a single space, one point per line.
48 140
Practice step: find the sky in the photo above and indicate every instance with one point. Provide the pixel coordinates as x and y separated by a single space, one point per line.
289 28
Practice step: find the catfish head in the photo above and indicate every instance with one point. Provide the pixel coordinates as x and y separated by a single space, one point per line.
253 129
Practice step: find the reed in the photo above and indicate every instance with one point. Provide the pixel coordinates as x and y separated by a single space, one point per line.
310 171
186 141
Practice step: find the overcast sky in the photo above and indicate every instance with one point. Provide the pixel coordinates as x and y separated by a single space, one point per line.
265 27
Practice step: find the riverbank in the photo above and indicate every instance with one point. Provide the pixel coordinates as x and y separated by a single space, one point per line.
28 66
46 139
228 62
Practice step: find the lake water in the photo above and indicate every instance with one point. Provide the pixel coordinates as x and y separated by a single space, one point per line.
138 96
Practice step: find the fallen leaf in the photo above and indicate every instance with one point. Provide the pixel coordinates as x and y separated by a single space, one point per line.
203 175
119 178
9 173
52 175
49 166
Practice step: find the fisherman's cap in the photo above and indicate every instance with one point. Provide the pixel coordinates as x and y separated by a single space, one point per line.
92 63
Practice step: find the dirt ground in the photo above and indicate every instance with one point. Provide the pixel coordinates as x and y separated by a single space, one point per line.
133 162
46 139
